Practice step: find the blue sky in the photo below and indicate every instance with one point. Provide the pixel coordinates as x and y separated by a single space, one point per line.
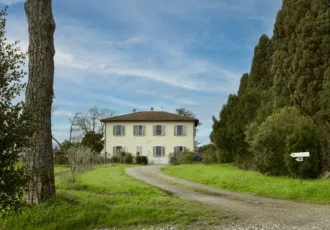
126 54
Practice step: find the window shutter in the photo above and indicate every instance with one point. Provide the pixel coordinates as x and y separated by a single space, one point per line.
143 130
174 149
114 130
154 152
163 151
175 130
154 130
134 130
114 150
163 130
123 130
184 130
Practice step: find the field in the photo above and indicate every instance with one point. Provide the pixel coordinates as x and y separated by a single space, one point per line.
106 197
228 177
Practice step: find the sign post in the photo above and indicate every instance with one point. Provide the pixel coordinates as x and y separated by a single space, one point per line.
300 158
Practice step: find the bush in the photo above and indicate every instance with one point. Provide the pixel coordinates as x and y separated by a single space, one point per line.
278 135
122 158
114 160
128 158
184 157
174 159
144 160
304 138
60 158
210 157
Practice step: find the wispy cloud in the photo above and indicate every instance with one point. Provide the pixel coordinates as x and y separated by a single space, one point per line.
142 54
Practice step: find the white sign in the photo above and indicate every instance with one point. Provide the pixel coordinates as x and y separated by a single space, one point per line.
304 154
299 159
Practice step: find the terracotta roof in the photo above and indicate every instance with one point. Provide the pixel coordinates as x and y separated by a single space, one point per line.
150 116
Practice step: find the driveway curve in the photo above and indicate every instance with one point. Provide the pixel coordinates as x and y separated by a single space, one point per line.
253 212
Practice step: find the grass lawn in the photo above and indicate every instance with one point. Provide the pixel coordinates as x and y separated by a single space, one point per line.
228 177
106 197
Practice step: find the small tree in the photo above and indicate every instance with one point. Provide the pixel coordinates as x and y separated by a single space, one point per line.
14 125
79 158
93 141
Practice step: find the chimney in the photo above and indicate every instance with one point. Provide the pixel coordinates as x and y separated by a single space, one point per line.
152 108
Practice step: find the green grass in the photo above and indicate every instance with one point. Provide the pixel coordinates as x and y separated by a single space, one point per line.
231 178
106 197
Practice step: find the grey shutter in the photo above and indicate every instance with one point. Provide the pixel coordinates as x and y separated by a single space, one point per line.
163 130
114 150
143 130
154 130
174 149
175 130
114 130
123 130
154 153
184 130
134 130
163 151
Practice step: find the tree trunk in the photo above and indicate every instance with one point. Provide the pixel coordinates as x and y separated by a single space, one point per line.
39 97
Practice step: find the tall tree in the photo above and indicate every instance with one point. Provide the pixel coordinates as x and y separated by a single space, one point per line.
39 97
185 112
14 130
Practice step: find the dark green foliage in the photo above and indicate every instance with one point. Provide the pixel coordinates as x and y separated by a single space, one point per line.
94 142
209 156
144 160
204 148
184 157
301 40
260 76
60 158
174 159
289 69
14 125
305 137
122 158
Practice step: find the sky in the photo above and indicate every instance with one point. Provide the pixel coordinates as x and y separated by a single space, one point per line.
137 54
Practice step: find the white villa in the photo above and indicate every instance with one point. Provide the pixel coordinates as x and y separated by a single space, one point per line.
153 134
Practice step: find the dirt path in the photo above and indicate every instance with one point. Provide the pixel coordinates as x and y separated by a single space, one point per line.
253 212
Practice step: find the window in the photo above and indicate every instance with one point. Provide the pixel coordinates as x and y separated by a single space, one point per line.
139 150
117 150
139 130
178 149
159 130
159 151
119 130
180 130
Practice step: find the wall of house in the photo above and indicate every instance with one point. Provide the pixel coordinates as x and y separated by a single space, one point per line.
130 142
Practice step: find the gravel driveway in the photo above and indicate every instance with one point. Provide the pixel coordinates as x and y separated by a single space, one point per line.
253 212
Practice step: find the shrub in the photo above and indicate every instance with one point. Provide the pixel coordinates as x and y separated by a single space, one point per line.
276 136
60 158
144 160
174 159
128 158
304 138
209 156
114 159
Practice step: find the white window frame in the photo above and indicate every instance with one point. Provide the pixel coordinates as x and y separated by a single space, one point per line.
162 130
184 130
138 133
122 130
162 153
139 148
177 150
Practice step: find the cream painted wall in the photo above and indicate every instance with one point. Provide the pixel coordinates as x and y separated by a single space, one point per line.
130 142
